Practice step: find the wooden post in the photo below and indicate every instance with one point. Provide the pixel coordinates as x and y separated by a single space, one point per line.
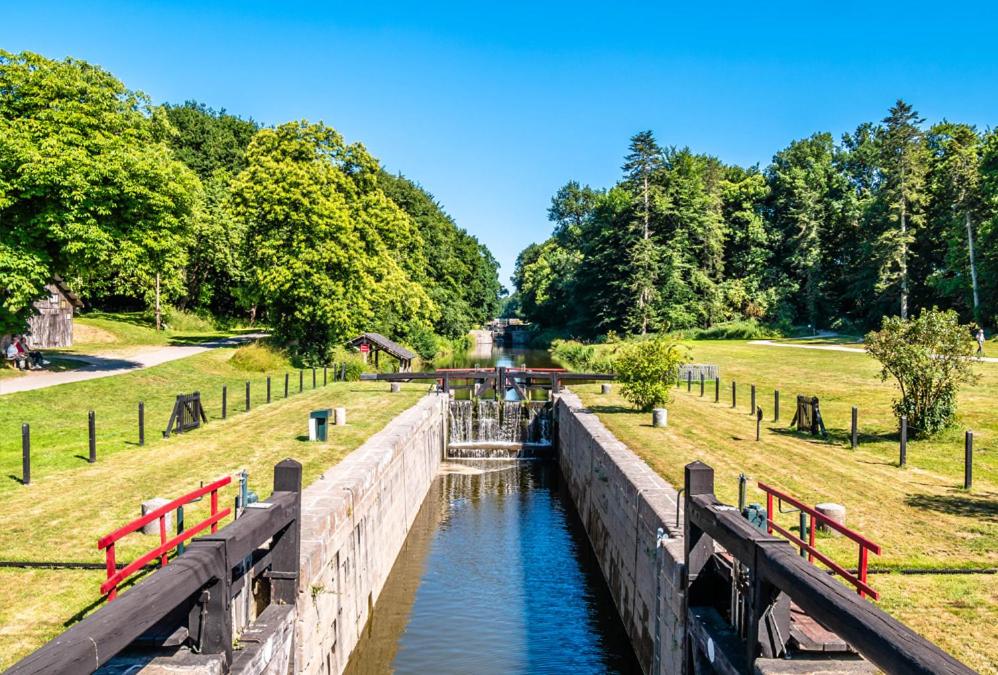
313 377
142 423
717 389
286 375
225 398
689 380
776 405
325 376
25 454
701 384
903 460
854 436
247 396
343 372
92 424
285 550
758 423
733 396
968 460
752 409
268 389
301 381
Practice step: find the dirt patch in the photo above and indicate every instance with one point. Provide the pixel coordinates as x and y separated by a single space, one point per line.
85 334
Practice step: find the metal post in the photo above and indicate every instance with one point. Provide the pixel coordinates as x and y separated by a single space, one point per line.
247 396
752 409
142 423
268 389
968 460
701 384
776 405
733 397
904 442
180 528
25 454
803 533
854 436
286 375
742 481
717 389
225 399
92 423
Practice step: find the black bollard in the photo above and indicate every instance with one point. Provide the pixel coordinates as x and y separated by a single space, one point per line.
701 385
717 389
247 395
854 434
25 454
268 389
142 423
313 378
752 409
968 460
733 397
689 380
286 375
92 423
776 405
301 381
325 379
225 400
903 460
803 533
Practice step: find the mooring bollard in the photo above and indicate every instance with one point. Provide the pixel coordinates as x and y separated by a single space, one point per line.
717 390
395 387
660 417
225 398
286 376
968 460
340 417
92 423
25 454
142 423
854 433
313 377
701 385
776 405
903 460
758 423
733 397
753 406
604 389
268 389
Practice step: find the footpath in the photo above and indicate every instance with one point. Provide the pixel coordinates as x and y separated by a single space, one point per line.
107 365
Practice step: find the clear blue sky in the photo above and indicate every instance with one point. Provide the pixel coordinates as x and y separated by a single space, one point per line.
493 106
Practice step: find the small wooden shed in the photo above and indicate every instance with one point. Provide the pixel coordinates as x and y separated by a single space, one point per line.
52 323
377 343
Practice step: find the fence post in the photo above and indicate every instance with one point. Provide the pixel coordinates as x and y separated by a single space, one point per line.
286 376
854 437
701 383
225 398
92 424
717 389
968 460
142 423
268 389
301 381
903 460
689 380
803 533
325 379
758 423
247 395
343 371
286 548
25 454
742 482
733 397
776 405
752 409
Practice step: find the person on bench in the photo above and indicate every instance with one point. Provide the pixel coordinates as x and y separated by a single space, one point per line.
13 354
34 357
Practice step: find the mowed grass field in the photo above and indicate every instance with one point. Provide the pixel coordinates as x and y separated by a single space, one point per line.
70 503
920 515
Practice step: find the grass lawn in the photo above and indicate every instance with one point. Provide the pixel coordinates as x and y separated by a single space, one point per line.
920 515
70 503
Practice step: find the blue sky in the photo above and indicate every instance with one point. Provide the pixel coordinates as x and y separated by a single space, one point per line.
493 106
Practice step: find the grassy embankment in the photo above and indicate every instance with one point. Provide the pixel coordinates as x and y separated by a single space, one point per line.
920 515
70 503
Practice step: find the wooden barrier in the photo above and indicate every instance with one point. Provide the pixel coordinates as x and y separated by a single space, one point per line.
188 413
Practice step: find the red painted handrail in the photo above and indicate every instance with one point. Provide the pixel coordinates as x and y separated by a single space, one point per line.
107 542
865 545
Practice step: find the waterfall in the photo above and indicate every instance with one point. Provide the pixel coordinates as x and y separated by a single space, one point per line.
486 428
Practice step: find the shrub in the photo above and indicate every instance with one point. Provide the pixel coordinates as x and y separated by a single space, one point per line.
645 370
749 329
929 357
258 357
186 322
424 342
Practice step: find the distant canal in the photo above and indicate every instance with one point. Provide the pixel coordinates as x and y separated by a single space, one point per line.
496 577
488 356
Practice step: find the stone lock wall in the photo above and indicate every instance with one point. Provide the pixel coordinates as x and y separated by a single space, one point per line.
355 519
623 503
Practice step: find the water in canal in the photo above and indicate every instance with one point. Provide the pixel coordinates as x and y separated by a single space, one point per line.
496 576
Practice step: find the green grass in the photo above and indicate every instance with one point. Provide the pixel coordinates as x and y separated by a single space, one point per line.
920 515
70 503
99 332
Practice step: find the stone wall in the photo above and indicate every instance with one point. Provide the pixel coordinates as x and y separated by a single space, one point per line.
355 519
623 503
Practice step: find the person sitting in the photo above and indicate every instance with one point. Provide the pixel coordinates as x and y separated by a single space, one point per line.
14 354
35 358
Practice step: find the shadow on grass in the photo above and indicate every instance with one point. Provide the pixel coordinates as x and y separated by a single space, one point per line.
983 508
16 479
609 409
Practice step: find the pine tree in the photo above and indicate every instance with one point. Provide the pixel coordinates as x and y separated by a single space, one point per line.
640 164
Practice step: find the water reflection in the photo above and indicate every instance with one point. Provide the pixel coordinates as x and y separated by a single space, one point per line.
489 356
496 577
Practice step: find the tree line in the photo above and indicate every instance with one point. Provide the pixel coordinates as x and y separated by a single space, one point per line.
892 217
138 205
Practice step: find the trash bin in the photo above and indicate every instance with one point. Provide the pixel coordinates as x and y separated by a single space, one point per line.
318 424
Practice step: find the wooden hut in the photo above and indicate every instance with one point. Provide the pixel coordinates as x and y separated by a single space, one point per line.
52 323
375 343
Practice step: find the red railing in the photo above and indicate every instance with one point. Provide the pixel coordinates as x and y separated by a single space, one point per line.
115 576
865 545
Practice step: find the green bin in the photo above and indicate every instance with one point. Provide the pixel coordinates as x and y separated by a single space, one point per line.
318 424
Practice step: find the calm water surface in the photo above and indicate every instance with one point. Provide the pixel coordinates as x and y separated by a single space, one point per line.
496 577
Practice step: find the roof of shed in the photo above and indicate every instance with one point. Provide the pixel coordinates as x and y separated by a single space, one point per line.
73 298
386 345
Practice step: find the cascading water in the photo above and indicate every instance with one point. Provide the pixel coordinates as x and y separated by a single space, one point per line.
484 428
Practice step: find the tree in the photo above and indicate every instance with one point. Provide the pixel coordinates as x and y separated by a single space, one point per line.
929 357
904 162
645 369
89 189
208 140
644 158
323 243
570 207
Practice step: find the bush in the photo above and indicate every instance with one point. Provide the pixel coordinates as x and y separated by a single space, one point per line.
929 357
645 370
583 357
749 329
186 322
424 342
258 357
